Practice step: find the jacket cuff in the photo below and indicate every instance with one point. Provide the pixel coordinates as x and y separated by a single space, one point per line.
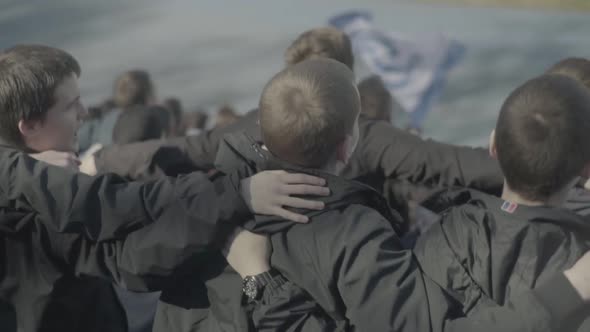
273 288
559 298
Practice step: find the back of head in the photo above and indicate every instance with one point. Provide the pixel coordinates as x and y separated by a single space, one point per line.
376 100
307 109
328 42
141 123
132 88
576 68
542 135
226 116
29 75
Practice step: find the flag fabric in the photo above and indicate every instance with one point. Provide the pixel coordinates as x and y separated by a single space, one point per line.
414 68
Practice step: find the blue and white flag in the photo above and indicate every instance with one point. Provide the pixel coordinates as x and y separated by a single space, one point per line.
413 68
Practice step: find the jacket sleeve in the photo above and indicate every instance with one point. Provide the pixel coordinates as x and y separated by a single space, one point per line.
441 262
289 308
107 227
151 159
578 200
382 287
443 254
546 308
403 156
359 263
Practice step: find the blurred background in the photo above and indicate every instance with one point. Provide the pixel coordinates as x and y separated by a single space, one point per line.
215 52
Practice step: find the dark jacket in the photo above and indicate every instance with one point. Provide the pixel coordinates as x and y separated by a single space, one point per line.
349 261
60 231
286 307
383 152
486 249
215 304
578 200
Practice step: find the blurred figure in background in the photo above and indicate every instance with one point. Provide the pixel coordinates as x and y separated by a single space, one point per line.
100 110
142 123
226 116
195 122
94 117
376 100
576 68
174 107
325 42
132 88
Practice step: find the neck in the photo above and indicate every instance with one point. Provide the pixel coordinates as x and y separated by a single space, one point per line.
556 200
31 146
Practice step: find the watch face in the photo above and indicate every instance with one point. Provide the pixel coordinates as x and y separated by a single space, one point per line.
250 287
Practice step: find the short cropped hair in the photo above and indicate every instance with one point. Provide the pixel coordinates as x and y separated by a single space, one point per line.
376 100
576 68
132 88
307 109
328 42
141 123
29 75
542 135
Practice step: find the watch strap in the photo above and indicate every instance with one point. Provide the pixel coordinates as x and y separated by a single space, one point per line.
266 278
274 287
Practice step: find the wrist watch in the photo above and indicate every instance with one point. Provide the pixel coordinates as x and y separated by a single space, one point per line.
253 286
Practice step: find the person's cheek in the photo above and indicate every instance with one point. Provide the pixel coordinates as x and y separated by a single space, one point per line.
73 125
66 127
68 121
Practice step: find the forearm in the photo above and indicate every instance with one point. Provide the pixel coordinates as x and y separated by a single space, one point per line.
440 165
106 205
188 228
404 156
147 227
153 159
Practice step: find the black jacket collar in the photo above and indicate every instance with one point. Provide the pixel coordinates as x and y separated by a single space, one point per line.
500 208
239 151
